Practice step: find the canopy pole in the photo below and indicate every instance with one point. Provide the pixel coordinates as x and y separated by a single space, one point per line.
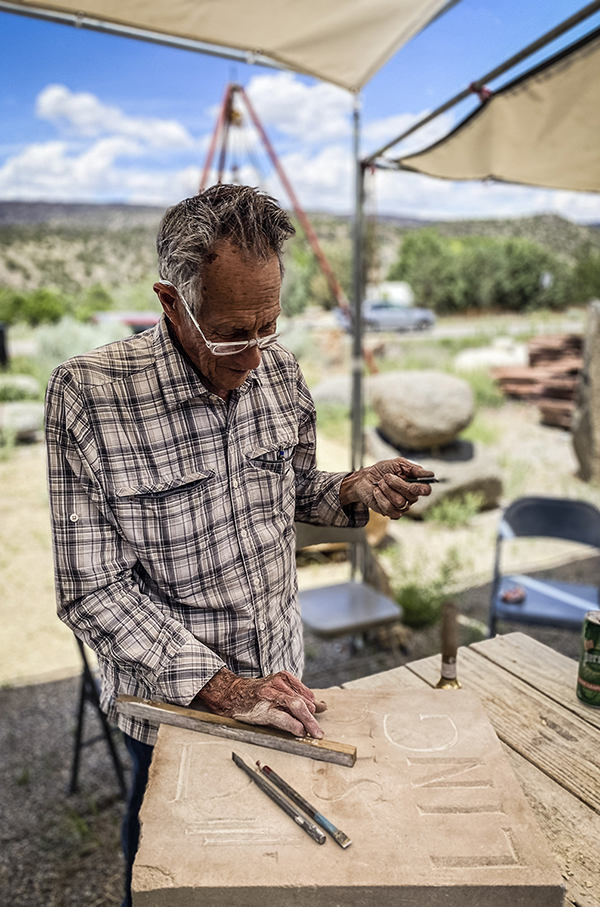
357 285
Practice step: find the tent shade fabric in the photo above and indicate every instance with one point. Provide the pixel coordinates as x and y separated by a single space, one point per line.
340 42
539 130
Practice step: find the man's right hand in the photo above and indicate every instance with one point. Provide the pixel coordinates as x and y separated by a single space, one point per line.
278 700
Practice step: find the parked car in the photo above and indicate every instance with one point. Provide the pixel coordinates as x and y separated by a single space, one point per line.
383 315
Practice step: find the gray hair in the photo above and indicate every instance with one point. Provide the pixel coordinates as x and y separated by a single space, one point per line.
189 231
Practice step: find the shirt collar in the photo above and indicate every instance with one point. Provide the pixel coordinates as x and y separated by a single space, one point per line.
178 380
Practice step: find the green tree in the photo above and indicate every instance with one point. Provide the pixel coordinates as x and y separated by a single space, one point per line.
457 274
12 304
429 263
95 299
42 306
587 274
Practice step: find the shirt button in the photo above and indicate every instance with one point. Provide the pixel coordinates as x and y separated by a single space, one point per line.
235 483
261 626
74 517
244 533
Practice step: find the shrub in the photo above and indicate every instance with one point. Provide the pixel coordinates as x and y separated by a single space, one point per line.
59 342
421 600
12 305
44 306
34 308
481 273
94 299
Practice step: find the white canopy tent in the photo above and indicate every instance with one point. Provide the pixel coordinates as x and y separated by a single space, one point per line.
539 130
340 42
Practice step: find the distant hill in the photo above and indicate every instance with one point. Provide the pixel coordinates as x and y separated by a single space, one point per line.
74 246
99 217
557 233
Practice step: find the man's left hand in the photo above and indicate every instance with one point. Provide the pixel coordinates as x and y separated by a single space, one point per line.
279 700
383 487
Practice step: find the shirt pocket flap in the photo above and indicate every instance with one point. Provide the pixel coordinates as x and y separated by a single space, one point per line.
278 452
166 485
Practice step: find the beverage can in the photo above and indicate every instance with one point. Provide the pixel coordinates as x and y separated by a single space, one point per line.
588 679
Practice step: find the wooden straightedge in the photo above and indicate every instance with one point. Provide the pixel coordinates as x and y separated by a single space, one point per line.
219 726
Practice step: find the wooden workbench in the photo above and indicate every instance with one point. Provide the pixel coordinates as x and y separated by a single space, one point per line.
551 739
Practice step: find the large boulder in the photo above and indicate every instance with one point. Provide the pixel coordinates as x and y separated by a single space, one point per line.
333 390
585 427
462 467
420 410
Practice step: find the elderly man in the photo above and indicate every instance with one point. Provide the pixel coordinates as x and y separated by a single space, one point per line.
178 461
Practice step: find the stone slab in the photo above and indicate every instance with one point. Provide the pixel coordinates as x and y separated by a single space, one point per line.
435 814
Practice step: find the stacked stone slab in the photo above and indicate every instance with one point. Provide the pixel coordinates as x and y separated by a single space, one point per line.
435 815
550 380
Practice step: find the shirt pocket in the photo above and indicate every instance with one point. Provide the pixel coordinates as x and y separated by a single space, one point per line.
165 486
164 520
275 458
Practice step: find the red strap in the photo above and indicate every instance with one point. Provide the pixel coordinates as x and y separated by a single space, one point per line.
483 92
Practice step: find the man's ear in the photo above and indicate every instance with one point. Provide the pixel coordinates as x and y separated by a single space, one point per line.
168 300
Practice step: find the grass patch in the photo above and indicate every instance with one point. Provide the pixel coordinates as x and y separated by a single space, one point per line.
480 431
333 420
485 389
453 512
455 345
8 439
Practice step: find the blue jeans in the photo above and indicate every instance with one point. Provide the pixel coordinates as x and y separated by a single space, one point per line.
141 757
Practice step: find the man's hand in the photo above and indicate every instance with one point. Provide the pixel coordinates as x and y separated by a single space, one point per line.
382 487
279 700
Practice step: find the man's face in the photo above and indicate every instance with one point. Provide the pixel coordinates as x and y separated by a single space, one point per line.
240 301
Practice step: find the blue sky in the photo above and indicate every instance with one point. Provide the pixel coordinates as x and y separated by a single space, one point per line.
90 117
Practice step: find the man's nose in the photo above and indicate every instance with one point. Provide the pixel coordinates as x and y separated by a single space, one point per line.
249 358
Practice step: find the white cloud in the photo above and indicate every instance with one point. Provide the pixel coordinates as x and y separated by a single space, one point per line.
415 195
87 116
103 154
379 132
310 113
52 171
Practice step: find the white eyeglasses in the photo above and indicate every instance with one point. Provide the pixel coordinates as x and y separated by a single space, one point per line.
227 348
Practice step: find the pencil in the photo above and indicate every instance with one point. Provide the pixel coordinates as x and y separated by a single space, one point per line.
338 836
310 829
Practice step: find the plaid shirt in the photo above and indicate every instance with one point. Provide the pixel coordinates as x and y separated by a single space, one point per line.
173 516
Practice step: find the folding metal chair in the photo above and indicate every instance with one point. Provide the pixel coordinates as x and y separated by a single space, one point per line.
349 608
526 599
89 692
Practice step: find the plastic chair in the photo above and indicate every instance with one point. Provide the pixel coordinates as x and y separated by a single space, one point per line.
349 608
545 602
89 692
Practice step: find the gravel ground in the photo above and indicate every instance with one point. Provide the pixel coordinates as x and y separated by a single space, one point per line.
63 851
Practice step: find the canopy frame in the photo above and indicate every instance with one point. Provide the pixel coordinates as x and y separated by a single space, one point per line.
399 164
372 160
83 20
